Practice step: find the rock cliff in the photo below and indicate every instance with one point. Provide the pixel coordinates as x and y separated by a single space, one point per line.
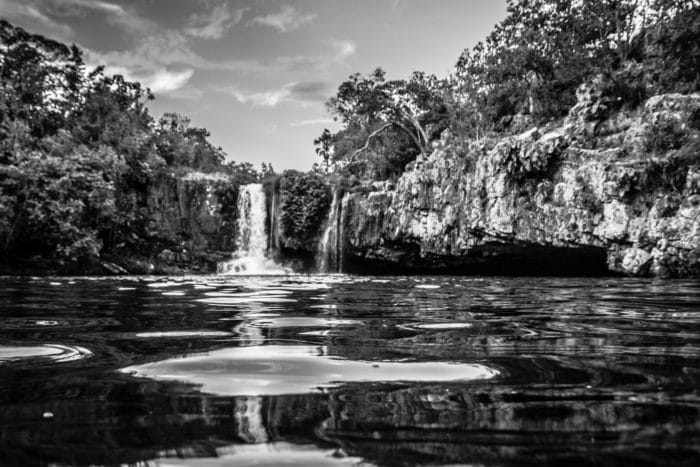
601 190
192 224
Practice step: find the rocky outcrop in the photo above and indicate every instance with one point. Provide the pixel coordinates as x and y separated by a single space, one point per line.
600 191
191 224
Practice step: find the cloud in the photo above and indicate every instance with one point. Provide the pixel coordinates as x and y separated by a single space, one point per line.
161 60
216 23
287 19
164 62
158 80
260 99
162 48
29 16
301 93
340 51
165 81
187 92
38 15
117 15
309 91
77 7
312 122
344 48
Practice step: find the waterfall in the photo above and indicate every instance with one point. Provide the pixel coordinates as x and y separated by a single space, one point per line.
341 229
274 226
251 241
330 248
250 422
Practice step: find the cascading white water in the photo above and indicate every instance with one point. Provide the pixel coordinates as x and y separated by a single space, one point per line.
251 241
341 232
330 252
274 248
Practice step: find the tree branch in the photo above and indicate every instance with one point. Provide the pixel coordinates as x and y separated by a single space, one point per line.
404 128
416 140
369 138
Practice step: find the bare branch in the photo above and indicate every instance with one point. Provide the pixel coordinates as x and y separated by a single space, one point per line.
369 138
404 128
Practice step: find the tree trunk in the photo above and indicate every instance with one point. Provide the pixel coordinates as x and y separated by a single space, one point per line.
416 140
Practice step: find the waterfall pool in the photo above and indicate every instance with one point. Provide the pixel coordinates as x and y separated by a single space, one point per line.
349 370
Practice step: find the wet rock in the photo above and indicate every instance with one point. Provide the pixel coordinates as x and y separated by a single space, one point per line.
635 261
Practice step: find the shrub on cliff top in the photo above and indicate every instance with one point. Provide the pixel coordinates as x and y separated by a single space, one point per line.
305 199
665 134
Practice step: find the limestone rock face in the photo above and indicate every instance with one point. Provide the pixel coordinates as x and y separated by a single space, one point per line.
192 213
626 186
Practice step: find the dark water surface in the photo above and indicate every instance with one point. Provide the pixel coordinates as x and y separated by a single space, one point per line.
339 370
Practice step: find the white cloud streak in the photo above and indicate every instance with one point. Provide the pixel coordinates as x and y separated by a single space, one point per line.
302 93
344 49
286 20
124 18
216 23
164 80
30 16
75 7
312 122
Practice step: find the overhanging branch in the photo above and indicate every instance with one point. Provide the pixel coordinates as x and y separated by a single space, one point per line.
404 128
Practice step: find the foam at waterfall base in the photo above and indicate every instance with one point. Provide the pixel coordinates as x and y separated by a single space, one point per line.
251 266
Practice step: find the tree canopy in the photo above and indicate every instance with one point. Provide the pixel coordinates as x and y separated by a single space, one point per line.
78 150
386 122
524 73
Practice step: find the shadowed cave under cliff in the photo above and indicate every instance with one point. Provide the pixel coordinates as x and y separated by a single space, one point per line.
499 260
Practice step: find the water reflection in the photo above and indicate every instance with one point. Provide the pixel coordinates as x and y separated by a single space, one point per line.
344 370
49 352
296 369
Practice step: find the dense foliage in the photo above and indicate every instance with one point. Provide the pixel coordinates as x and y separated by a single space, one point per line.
525 73
304 202
78 150
533 61
387 123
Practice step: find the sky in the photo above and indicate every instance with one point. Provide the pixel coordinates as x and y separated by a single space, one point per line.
257 73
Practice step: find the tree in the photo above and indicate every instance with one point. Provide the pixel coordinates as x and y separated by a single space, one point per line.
40 80
57 199
78 152
533 61
180 144
383 120
324 147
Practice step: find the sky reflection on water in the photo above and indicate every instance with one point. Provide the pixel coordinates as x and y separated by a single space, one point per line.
295 369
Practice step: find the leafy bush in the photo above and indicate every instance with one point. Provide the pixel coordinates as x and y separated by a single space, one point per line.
586 197
523 160
664 135
304 202
670 173
55 202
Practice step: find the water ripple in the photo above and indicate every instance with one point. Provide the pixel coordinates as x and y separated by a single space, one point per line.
53 352
296 369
